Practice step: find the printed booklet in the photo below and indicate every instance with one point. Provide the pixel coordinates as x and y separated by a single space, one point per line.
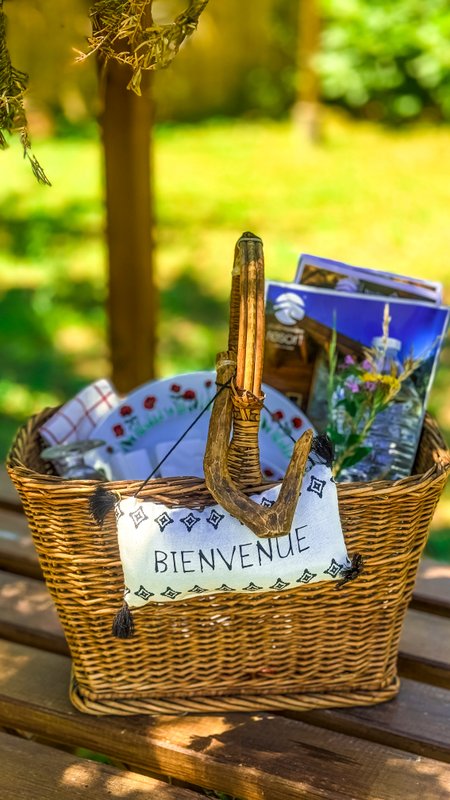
376 340
325 273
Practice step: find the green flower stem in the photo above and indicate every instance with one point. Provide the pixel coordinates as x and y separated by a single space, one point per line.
350 449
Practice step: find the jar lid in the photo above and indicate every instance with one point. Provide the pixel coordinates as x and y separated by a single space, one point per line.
74 448
386 344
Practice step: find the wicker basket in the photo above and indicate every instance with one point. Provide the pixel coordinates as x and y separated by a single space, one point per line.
303 648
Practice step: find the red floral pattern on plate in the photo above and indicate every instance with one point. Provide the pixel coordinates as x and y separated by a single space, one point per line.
152 408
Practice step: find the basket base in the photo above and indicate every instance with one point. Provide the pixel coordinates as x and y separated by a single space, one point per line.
229 703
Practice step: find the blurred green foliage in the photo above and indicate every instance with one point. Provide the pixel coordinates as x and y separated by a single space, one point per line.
390 60
380 59
239 61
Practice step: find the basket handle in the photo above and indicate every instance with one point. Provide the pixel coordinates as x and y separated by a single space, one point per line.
228 466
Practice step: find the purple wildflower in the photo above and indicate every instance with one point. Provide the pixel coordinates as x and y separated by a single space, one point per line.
353 386
370 386
367 365
349 360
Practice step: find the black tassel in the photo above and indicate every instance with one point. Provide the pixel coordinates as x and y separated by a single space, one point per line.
322 446
350 573
123 625
101 503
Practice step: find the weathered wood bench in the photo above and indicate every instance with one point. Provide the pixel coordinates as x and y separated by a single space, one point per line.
394 751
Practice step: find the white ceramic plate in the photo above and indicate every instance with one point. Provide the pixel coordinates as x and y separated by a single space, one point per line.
150 420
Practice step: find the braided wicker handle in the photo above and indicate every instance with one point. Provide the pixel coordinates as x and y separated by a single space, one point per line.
231 465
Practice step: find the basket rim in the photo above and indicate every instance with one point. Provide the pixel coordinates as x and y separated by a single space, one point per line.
17 467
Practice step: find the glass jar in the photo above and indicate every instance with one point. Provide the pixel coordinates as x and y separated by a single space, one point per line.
395 432
69 462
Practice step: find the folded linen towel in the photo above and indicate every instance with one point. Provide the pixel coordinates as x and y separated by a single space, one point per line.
77 418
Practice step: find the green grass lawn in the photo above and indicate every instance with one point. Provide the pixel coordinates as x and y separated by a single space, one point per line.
366 195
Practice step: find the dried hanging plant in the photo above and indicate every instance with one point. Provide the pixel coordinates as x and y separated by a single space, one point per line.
123 30
13 84
126 31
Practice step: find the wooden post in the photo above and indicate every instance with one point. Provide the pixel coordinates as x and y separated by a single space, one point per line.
126 122
306 109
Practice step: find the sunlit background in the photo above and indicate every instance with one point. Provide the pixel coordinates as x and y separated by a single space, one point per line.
231 153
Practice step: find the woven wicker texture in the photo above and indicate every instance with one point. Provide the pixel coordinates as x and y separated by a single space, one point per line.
309 647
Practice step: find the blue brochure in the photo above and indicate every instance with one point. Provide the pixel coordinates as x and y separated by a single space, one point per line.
379 343
326 273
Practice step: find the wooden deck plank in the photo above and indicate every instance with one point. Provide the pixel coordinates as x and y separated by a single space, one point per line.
424 653
28 614
249 756
17 552
9 498
432 590
32 770
417 720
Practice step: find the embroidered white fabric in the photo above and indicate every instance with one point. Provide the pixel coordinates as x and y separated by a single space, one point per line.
172 554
